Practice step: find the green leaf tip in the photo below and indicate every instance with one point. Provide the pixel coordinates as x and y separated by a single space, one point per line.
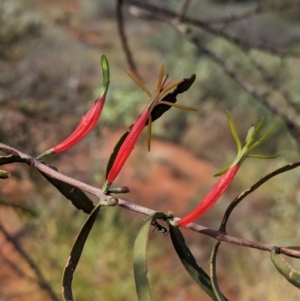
105 69
213 272
140 258
284 268
250 143
234 132
263 138
189 262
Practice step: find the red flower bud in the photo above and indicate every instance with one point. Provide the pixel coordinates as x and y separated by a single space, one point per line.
211 198
89 120
128 145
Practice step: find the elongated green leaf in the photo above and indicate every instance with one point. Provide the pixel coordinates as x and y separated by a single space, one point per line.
265 157
171 97
283 267
213 272
263 138
258 127
75 255
113 155
105 70
190 264
140 258
234 132
78 198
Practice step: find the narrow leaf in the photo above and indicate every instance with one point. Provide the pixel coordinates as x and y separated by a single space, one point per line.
263 138
190 264
179 106
213 271
258 127
140 258
75 255
234 132
105 70
78 198
160 109
160 78
263 156
250 133
139 83
283 267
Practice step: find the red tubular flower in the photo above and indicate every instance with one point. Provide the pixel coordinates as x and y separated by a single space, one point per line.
211 198
128 145
228 174
135 130
89 120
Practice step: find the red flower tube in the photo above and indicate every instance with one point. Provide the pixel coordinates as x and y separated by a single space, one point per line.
211 198
89 120
86 124
228 174
128 145
123 152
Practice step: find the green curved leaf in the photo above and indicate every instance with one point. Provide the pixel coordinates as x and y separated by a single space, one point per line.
283 267
105 69
140 258
78 198
213 272
187 259
75 254
171 97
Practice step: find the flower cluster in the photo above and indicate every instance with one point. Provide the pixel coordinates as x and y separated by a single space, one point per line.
146 118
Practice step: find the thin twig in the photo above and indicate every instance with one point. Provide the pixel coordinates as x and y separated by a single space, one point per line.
124 40
275 87
184 9
162 13
249 88
260 9
171 18
42 282
249 190
219 235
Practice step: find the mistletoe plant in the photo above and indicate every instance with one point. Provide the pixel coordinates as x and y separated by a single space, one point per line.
164 97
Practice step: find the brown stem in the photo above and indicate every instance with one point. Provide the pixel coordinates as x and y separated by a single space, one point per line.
260 9
124 41
162 13
219 235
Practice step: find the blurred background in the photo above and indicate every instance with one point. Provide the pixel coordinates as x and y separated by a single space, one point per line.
245 55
